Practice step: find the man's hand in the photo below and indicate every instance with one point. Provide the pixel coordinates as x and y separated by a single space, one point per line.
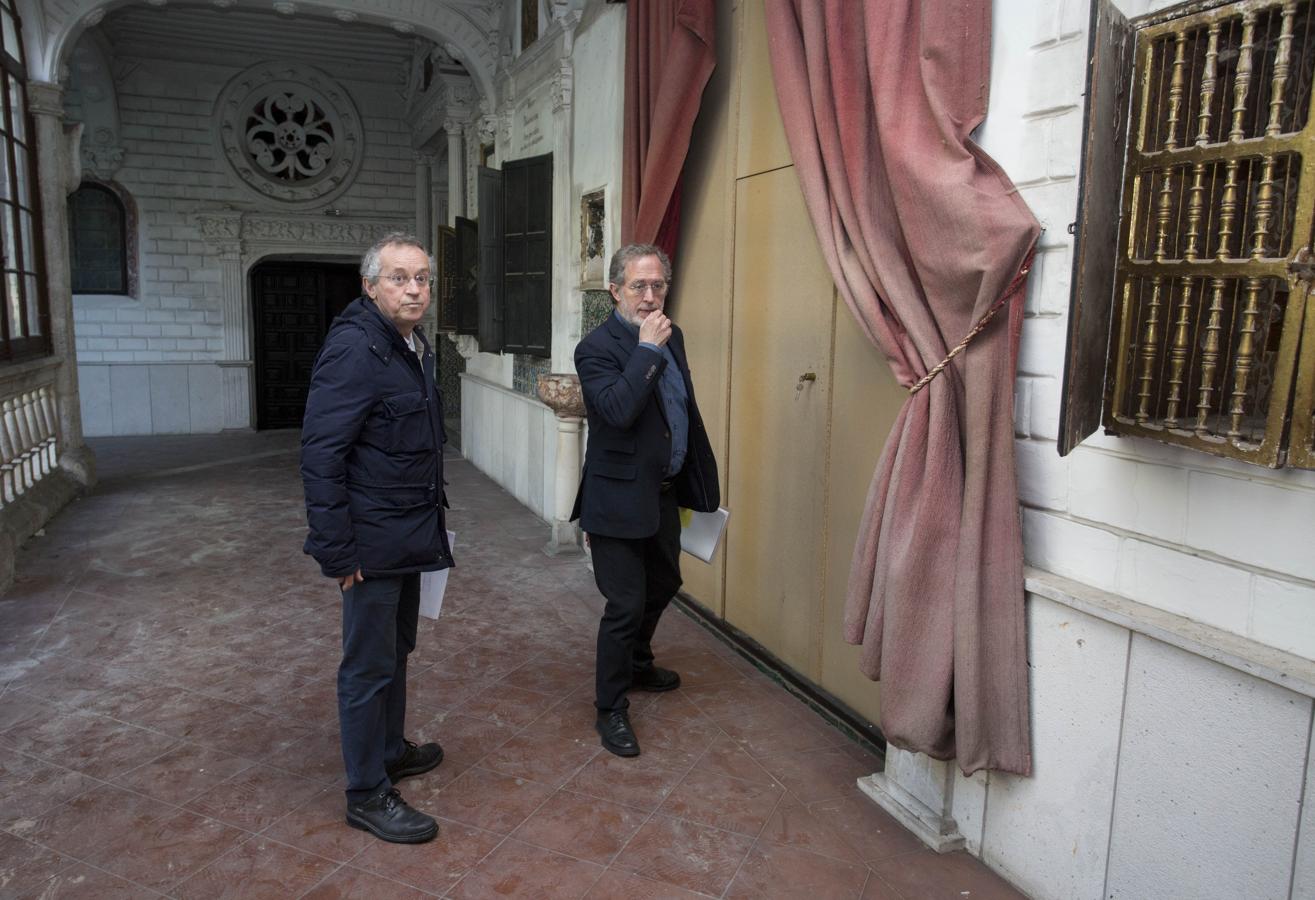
347 581
656 329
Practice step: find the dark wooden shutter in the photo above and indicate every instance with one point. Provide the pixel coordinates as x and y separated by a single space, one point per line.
527 255
444 291
1096 246
466 276
489 265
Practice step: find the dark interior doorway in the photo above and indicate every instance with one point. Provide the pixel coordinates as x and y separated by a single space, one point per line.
293 303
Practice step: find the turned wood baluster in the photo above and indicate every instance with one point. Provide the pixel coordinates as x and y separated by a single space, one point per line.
1244 360
1176 90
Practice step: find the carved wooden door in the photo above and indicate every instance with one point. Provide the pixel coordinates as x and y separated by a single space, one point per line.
293 304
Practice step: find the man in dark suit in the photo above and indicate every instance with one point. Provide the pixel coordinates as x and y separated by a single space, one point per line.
648 455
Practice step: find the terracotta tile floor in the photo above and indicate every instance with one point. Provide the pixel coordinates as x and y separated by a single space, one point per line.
167 720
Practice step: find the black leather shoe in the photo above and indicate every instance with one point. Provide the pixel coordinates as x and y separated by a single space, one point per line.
618 737
386 815
415 760
655 679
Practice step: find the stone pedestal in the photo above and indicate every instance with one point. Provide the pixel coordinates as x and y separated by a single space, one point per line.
561 393
919 792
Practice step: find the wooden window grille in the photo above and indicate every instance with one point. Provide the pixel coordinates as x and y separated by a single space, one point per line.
1211 283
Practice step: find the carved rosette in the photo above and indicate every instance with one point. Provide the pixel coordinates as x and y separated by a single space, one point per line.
561 393
290 133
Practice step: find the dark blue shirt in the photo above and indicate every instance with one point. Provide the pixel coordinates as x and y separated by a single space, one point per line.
675 400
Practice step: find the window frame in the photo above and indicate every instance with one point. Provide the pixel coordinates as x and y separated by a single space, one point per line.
125 243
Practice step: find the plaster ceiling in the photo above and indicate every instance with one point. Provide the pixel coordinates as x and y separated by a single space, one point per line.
241 37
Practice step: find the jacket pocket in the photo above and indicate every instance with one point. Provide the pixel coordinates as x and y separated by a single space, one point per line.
616 445
619 471
400 424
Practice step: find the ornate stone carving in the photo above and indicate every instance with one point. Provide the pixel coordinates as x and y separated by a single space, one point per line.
101 153
289 133
286 7
563 86
262 228
561 393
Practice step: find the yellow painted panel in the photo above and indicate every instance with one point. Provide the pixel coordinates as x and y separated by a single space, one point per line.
865 402
762 144
778 423
701 302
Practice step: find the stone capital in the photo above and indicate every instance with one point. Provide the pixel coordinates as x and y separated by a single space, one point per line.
45 98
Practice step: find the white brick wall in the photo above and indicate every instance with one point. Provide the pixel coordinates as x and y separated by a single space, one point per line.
1216 541
173 170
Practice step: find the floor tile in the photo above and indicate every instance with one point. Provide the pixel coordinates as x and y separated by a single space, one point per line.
515 869
821 774
433 867
254 798
788 873
166 851
490 800
582 826
258 868
317 826
615 883
506 705
874 834
944 876
23 865
355 884
723 802
687 855
82 824
626 781
82 882
793 824
547 760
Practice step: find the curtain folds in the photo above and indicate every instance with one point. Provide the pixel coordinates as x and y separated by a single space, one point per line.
923 234
670 55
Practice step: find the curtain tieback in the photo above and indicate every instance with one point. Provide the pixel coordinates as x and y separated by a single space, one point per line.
1014 287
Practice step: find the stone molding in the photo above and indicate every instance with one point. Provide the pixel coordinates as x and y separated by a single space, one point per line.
267 232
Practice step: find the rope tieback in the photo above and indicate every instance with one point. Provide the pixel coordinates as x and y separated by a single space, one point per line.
1014 287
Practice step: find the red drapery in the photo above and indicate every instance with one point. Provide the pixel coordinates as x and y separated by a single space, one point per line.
670 54
924 234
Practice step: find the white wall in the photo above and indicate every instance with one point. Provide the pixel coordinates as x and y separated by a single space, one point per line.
1219 542
173 171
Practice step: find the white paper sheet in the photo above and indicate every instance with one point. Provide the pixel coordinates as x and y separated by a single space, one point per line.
433 584
700 532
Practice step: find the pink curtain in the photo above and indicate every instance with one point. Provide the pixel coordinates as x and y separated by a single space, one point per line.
924 235
670 55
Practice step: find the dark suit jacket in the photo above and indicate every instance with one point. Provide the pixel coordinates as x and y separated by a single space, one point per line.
629 440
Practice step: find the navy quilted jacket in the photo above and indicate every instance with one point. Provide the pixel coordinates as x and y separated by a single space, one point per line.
372 452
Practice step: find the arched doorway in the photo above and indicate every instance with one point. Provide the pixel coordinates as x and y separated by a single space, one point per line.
292 303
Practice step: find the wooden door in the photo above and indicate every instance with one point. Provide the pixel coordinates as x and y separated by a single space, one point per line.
293 304
779 418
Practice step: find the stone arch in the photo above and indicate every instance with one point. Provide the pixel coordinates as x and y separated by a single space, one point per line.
472 43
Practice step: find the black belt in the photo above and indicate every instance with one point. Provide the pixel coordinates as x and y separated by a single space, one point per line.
666 485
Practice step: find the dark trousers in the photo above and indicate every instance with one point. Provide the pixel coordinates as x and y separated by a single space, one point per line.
638 577
379 618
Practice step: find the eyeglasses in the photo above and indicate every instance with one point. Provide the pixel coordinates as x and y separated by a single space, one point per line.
421 279
639 288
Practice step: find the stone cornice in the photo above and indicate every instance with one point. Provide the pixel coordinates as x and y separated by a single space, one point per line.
267 230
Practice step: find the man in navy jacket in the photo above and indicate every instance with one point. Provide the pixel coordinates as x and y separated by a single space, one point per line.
648 455
372 468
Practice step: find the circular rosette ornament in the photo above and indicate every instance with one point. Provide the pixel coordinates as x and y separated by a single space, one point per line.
289 133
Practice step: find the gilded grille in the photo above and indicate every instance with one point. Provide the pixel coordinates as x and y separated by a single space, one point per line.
1218 201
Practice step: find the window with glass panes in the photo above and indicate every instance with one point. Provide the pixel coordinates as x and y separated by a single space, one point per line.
24 322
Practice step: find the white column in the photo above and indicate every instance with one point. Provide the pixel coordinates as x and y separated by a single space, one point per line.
567 478
919 792
58 174
236 365
424 198
455 173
